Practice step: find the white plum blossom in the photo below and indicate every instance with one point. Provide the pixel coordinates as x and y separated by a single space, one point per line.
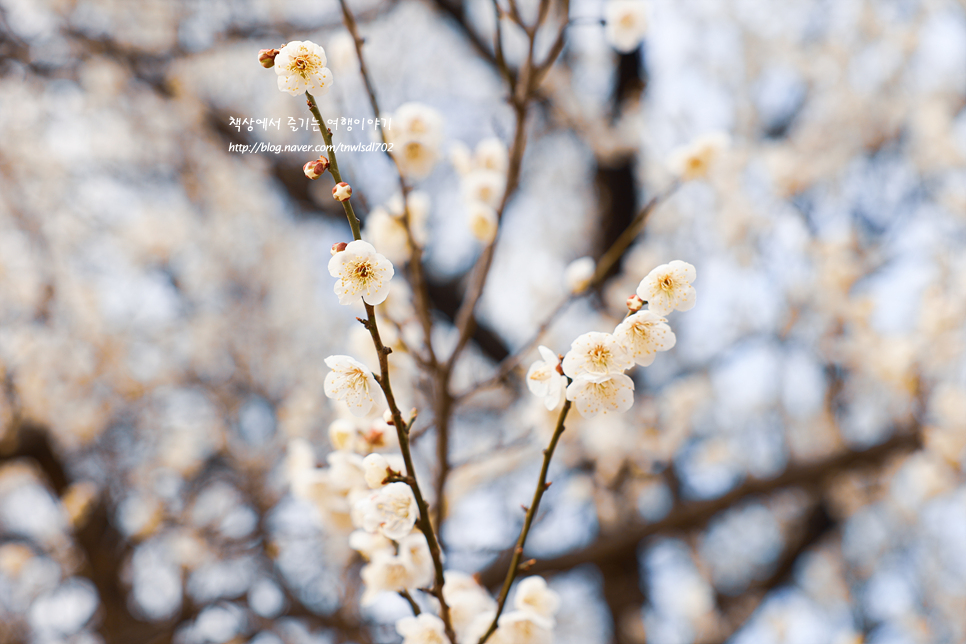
368 544
525 627
466 600
515 627
423 629
416 134
376 469
362 274
579 273
300 66
482 221
625 23
390 510
300 471
596 356
591 397
487 186
345 471
694 161
544 379
386 228
351 382
533 595
643 334
461 157
342 433
386 572
415 550
668 287
492 154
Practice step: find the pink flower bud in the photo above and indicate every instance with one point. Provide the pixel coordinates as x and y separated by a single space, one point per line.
342 191
634 303
314 169
338 248
267 57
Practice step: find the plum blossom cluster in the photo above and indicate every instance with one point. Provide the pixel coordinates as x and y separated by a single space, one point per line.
386 225
356 490
366 488
531 622
365 495
483 174
416 138
591 374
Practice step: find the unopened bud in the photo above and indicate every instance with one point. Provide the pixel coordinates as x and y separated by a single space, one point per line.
634 303
376 469
342 191
387 416
267 57
338 248
314 169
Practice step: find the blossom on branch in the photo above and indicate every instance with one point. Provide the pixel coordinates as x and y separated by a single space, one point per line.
300 66
351 382
424 629
416 135
390 510
534 596
363 274
643 334
545 380
596 356
668 287
376 468
386 572
466 600
483 222
591 397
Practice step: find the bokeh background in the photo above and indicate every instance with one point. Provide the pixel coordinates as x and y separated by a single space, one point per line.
792 472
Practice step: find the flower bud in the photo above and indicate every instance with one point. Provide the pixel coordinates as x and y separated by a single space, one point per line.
339 247
341 433
267 57
634 303
376 469
314 169
342 191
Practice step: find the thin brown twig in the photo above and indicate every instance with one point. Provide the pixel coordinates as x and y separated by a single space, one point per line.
412 602
542 486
